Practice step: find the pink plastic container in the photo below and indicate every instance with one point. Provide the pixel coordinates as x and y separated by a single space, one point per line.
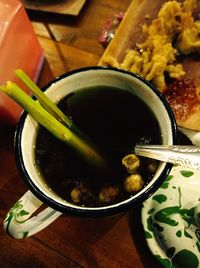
19 48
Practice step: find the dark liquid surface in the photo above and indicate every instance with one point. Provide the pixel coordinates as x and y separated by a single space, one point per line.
115 120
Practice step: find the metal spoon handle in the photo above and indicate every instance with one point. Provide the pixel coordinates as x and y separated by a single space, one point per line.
187 156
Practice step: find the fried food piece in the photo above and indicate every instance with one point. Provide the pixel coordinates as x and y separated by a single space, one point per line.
188 40
110 61
132 56
189 5
157 53
172 33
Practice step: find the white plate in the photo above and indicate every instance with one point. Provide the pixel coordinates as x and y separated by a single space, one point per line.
168 218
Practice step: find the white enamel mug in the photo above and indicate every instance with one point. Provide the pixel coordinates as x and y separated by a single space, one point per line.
19 223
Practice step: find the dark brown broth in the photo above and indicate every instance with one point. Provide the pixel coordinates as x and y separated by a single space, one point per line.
115 120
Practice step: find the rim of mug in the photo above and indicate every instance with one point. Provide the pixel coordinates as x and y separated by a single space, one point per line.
93 211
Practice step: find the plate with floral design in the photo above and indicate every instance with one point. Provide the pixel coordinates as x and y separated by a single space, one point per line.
170 219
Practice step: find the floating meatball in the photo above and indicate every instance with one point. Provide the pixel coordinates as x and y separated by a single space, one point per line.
108 194
131 162
152 166
77 193
133 183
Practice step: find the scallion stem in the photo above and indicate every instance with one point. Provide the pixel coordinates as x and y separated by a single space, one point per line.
53 125
50 106
43 99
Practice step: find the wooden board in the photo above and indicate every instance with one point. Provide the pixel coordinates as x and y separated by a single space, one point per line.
129 34
129 31
67 7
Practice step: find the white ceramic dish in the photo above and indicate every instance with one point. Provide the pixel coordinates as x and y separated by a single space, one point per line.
169 219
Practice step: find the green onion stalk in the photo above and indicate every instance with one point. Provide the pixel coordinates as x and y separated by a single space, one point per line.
51 107
43 99
46 113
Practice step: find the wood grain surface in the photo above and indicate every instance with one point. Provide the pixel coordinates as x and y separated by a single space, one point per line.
116 242
67 7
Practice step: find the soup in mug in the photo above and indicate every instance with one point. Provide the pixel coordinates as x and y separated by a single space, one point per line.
115 120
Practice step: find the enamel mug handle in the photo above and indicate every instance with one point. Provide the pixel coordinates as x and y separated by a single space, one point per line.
19 223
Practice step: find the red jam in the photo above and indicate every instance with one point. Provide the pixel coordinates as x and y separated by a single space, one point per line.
182 97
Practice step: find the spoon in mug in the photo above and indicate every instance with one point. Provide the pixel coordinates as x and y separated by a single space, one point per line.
183 155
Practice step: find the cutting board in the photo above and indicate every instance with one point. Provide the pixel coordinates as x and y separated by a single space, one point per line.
129 34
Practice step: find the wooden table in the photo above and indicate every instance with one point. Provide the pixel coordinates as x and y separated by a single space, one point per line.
69 43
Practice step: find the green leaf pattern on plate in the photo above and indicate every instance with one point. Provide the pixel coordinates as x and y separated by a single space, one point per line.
169 217
166 182
160 198
179 233
186 173
148 235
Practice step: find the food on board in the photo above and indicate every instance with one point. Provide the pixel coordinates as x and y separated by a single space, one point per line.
169 48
